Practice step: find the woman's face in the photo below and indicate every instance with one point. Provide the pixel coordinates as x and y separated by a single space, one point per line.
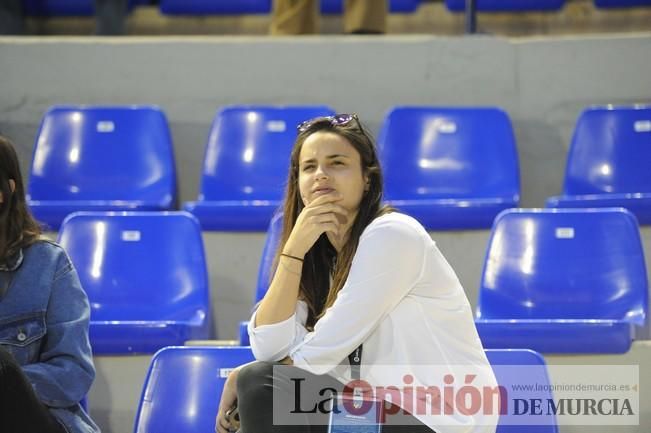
328 163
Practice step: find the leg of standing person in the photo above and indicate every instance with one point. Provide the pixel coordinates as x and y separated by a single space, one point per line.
12 17
294 17
365 16
110 17
20 409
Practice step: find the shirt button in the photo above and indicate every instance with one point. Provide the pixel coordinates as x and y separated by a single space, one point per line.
21 336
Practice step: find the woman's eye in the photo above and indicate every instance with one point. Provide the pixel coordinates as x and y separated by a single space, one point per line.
308 167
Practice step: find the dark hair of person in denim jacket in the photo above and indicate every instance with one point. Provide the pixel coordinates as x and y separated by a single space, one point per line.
46 365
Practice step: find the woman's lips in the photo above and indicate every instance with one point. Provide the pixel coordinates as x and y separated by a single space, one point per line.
322 191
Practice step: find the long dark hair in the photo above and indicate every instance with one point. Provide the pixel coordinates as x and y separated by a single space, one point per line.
322 261
18 228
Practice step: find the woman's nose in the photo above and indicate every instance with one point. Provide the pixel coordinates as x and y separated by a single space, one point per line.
321 173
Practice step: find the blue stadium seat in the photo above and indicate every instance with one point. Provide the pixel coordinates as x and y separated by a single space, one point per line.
450 168
145 276
507 5
272 240
229 7
563 281
221 7
274 232
246 165
101 159
66 7
244 333
183 387
610 4
395 6
522 367
608 162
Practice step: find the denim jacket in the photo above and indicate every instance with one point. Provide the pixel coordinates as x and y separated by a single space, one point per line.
44 316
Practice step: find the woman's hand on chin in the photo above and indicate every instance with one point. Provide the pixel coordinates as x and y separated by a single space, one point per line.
321 215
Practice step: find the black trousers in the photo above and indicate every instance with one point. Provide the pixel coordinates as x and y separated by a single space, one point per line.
261 390
20 409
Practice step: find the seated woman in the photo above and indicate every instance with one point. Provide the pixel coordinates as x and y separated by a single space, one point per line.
353 280
46 365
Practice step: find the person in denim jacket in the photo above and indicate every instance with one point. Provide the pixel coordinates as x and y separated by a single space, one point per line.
46 365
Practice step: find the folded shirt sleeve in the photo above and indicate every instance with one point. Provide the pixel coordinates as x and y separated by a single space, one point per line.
273 342
388 263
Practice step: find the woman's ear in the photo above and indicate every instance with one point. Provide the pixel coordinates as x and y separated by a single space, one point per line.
12 187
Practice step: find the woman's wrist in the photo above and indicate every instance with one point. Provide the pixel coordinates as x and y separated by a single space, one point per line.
291 256
293 251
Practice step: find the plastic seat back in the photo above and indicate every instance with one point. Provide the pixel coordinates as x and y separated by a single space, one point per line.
246 165
247 155
58 7
225 7
564 264
274 232
448 153
610 152
66 7
139 266
450 168
507 5
272 240
621 3
228 7
522 367
183 387
120 156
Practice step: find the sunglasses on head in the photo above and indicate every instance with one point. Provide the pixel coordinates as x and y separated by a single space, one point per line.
336 120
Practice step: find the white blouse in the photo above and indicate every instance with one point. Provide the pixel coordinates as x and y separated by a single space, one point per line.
404 303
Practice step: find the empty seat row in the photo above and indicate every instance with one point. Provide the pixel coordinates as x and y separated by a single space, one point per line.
67 7
184 384
230 7
194 7
554 280
451 168
238 7
537 5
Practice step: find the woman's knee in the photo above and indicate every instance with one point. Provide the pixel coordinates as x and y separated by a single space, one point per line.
254 375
